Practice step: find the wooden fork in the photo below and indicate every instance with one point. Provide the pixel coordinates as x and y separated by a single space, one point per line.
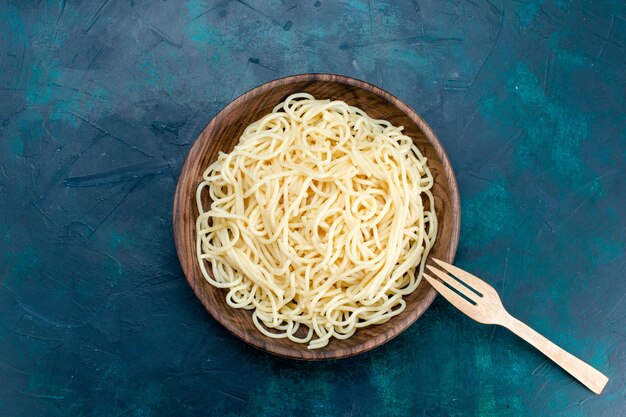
486 307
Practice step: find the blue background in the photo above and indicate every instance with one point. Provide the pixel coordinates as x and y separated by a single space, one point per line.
100 101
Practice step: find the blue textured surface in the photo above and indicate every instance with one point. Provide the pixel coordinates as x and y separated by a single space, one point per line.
100 101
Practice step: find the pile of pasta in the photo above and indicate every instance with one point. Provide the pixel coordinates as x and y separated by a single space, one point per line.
320 221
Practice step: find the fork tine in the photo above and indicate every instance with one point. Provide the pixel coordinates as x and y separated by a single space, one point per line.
454 299
471 280
454 284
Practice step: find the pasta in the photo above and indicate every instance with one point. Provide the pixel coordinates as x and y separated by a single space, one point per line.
320 221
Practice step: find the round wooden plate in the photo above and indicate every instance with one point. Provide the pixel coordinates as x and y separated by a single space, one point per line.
222 134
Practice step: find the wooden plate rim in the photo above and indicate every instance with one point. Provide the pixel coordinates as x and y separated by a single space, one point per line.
392 331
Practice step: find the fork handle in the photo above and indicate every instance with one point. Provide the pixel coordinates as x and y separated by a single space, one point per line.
585 373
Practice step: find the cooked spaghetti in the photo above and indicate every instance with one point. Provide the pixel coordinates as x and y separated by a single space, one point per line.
320 221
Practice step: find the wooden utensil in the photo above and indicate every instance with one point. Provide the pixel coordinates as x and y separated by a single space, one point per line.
222 134
482 303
